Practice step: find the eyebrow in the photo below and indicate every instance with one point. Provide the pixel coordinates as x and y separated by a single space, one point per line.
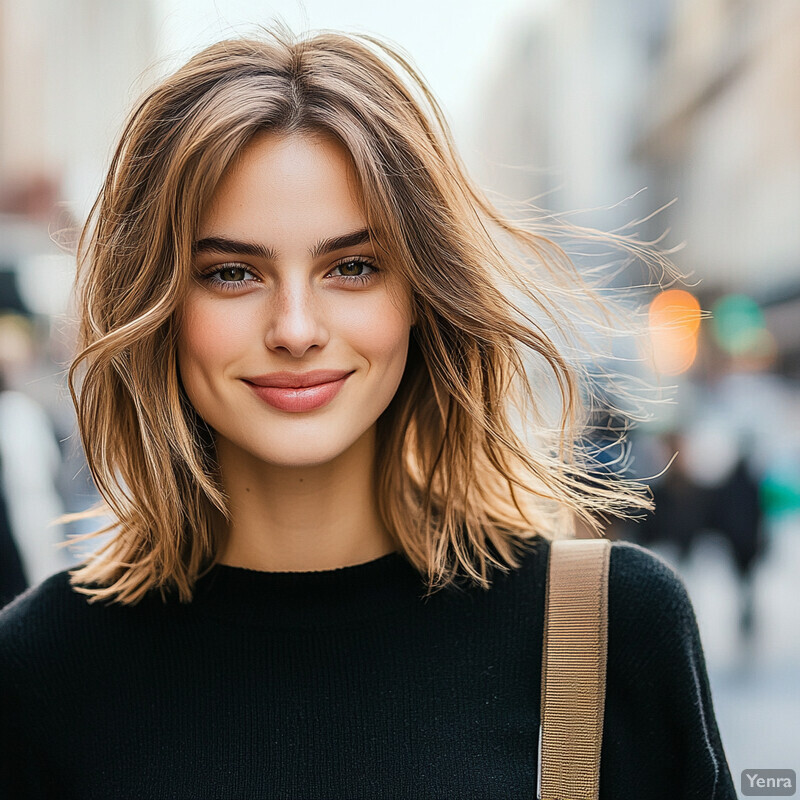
222 244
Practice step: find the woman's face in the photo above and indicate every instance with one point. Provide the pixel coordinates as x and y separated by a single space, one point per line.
274 291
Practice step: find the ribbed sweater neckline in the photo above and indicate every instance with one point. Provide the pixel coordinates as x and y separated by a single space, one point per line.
317 598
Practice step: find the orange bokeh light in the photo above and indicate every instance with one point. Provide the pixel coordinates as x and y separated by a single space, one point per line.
674 318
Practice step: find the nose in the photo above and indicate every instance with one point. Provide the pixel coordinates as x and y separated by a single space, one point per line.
295 319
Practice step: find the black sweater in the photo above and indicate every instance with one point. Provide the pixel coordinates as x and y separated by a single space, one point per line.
343 684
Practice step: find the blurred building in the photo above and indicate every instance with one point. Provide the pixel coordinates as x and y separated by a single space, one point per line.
722 133
564 111
68 75
68 72
722 126
691 100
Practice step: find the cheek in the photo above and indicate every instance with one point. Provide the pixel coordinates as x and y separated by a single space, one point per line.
210 336
380 333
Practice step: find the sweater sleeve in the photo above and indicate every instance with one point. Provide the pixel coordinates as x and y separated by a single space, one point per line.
657 679
22 764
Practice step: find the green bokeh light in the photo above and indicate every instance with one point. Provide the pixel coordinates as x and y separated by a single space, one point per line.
737 324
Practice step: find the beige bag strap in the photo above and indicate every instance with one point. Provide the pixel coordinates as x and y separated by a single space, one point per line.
574 669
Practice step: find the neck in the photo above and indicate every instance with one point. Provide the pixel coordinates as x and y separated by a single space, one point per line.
307 518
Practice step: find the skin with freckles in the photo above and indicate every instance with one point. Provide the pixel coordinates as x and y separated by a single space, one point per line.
300 484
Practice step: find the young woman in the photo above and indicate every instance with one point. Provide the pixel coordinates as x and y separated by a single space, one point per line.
323 428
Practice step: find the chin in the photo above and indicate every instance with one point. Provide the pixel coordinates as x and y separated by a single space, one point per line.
311 448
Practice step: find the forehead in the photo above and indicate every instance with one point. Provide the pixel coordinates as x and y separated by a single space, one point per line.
287 185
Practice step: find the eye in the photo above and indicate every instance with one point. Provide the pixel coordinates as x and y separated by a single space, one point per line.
348 265
230 277
231 270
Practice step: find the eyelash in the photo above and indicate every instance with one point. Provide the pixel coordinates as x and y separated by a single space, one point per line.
232 286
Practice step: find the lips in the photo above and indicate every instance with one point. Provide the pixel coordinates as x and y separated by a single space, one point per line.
298 380
313 395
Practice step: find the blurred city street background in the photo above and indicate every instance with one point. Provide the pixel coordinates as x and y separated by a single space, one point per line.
604 110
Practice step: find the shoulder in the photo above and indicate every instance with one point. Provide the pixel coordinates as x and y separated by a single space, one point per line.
38 599
38 625
26 627
651 620
643 584
651 616
35 605
658 689
642 587
639 577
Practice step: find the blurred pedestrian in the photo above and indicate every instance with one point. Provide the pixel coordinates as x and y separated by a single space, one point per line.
12 575
680 504
30 462
735 511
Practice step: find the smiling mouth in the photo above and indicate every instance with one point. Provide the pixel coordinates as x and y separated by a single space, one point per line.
297 380
299 398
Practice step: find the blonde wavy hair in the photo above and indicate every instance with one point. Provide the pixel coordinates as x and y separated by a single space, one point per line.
471 452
